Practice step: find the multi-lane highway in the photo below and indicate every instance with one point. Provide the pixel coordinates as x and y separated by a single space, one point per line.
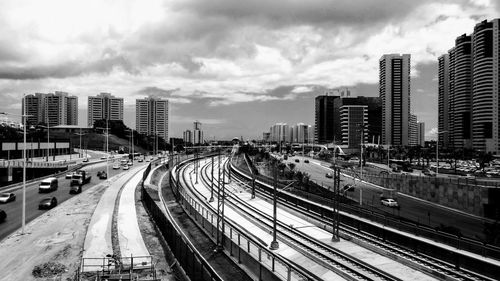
410 208
14 209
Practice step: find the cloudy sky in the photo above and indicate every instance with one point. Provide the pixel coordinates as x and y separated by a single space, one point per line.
236 66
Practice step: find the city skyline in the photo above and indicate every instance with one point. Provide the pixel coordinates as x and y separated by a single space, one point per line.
235 67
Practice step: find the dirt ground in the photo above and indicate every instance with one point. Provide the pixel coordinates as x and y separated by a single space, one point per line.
58 237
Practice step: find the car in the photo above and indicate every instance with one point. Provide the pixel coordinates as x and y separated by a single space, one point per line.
103 175
75 189
389 202
3 216
429 173
85 160
116 166
297 160
47 203
140 160
48 185
125 167
348 187
129 163
306 161
103 157
68 175
329 175
7 197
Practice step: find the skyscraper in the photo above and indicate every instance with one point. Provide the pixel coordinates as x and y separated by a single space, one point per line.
151 116
413 135
301 133
485 86
472 89
279 132
56 108
444 100
374 111
104 106
394 91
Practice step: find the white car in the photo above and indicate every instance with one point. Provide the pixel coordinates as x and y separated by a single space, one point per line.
116 166
389 202
68 175
7 197
125 167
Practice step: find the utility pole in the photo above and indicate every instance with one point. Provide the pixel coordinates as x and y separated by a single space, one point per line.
220 210
212 183
335 204
274 244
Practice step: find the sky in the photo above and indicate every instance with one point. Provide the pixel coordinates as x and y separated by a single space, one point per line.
238 67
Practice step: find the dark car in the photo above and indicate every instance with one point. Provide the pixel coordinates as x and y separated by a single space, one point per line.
329 175
7 197
85 160
102 175
297 160
306 161
75 189
47 203
3 216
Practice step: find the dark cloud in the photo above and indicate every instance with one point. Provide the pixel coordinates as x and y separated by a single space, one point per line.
284 13
157 92
66 69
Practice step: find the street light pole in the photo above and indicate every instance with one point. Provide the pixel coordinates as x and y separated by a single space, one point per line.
274 244
24 116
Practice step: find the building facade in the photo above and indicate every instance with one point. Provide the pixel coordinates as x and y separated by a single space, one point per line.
420 133
469 80
413 135
354 118
300 133
187 136
104 107
325 123
151 116
197 133
394 91
54 109
279 132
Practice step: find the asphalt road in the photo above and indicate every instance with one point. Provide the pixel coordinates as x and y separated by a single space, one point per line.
423 212
14 209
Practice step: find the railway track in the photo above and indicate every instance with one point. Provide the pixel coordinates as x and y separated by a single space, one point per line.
432 266
323 254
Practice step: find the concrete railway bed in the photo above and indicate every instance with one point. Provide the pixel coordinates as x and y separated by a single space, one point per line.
432 266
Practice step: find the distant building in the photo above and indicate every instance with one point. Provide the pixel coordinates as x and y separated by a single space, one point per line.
266 136
301 133
374 123
421 133
197 133
279 132
151 116
104 107
413 136
394 91
56 108
187 136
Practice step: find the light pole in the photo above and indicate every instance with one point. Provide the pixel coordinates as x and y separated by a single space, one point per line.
363 127
274 244
437 151
24 116
80 147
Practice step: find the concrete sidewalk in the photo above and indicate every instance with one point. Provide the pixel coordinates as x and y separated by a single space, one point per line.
129 234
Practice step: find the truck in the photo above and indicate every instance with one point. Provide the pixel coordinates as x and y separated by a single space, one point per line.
80 177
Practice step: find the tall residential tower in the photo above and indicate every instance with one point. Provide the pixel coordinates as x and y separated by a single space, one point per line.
151 116
104 106
394 91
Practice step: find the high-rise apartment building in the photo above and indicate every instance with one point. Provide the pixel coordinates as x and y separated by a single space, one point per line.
33 106
420 133
56 108
469 79
413 134
300 133
104 107
394 91
353 119
151 116
485 86
197 133
444 100
279 132
187 136
373 127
